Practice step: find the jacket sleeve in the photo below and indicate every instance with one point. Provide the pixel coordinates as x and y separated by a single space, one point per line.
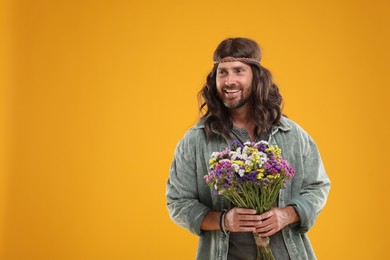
182 189
314 191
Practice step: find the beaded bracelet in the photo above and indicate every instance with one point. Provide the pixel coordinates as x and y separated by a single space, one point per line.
222 222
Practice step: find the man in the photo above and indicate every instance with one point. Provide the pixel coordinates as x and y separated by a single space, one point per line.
240 101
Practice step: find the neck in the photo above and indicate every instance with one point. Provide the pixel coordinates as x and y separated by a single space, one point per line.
240 118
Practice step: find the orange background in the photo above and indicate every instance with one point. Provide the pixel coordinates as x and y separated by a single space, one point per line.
96 94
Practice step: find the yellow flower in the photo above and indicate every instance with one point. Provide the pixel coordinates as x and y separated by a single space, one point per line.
259 176
256 157
276 151
213 162
240 163
277 176
252 150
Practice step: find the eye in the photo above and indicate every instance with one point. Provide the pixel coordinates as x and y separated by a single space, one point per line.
222 72
240 70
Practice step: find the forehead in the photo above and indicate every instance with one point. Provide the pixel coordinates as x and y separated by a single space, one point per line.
232 65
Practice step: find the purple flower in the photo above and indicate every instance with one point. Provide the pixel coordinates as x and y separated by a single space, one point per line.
235 144
226 178
261 147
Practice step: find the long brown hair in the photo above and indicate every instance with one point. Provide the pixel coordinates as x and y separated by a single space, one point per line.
265 97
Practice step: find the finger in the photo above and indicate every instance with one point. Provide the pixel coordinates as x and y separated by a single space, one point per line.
242 227
245 211
246 229
265 227
267 214
266 222
253 224
255 218
268 233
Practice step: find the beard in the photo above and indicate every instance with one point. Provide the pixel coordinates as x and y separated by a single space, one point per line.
236 102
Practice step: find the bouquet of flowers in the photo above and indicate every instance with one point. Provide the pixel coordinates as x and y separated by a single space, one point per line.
250 175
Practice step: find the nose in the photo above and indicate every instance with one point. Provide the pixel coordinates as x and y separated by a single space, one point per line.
230 80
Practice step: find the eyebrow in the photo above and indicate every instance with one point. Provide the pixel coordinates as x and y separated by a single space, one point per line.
235 67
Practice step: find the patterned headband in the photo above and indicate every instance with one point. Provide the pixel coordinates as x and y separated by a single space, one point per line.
230 59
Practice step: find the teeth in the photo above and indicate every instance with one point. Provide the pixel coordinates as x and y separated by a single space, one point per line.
232 91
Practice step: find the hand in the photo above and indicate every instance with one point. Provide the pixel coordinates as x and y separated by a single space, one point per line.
242 220
276 219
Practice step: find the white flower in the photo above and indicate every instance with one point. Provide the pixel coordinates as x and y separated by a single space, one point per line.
234 155
247 143
244 156
262 155
236 167
261 142
214 154
224 160
241 172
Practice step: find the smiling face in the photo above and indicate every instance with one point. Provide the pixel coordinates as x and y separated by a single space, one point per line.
234 83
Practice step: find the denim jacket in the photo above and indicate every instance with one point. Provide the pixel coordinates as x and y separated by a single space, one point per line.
189 198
